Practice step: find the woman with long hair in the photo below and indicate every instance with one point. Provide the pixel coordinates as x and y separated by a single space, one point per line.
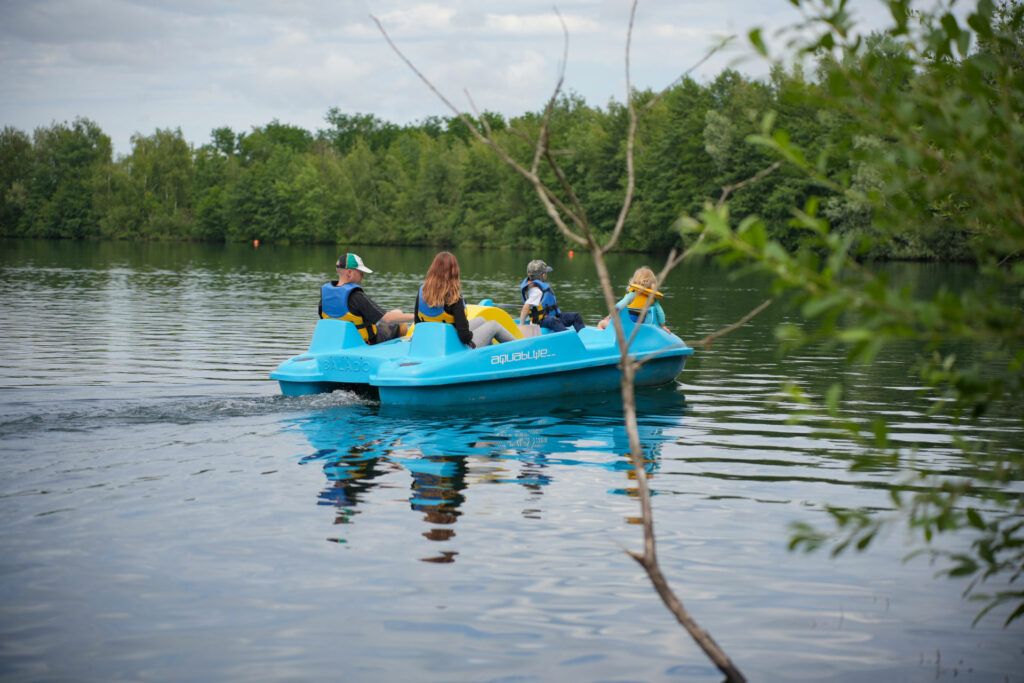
440 300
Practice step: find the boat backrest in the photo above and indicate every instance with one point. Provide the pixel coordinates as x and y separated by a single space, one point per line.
435 339
491 312
331 335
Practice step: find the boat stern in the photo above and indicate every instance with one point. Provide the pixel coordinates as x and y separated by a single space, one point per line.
337 358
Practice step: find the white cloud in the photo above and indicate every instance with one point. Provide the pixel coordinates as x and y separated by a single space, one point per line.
674 32
418 20
135 65
538 24
532 67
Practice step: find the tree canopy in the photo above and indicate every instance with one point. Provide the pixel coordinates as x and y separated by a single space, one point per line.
361 180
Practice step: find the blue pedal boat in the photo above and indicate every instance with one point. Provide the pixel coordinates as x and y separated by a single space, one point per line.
431 367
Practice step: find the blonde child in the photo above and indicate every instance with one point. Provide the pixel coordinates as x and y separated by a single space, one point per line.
640 290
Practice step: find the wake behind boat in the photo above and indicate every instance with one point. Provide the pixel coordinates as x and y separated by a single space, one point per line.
431 367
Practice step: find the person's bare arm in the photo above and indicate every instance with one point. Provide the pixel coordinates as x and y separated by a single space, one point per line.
397 316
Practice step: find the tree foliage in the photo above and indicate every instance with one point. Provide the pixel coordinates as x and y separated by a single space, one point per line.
361 180
931 112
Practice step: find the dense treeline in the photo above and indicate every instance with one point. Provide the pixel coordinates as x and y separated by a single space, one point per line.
361 180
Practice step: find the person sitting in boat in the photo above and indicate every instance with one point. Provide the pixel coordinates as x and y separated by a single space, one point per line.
344 299
539 301
641 289
440 301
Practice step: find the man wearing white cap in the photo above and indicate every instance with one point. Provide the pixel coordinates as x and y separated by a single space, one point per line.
344 299
539 301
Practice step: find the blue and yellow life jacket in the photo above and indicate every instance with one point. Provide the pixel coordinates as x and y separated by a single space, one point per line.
431 314
641 295
548 304
334 304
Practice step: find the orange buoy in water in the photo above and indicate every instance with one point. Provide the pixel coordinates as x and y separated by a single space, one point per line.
570 253
255 243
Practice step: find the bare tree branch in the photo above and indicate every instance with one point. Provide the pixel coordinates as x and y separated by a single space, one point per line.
634 121
530 174
729 189
703 638
627 200
558 211
706 341
672 261
476 112
578 214
654 100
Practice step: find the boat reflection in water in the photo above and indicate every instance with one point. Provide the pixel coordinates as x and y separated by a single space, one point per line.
363 447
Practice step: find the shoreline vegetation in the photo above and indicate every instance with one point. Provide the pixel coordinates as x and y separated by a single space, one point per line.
364 181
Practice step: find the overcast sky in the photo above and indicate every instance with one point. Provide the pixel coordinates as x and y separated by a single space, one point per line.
133 66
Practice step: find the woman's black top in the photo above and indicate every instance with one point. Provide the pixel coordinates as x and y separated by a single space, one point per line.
457 311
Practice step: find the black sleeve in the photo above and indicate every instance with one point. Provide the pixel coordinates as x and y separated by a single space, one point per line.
364 307
458 311
416 310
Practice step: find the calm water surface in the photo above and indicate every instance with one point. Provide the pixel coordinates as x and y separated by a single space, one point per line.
167 515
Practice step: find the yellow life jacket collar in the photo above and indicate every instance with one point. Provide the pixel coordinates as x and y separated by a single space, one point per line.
642 296
644 290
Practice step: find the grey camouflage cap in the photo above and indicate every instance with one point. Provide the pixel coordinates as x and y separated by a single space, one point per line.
536 268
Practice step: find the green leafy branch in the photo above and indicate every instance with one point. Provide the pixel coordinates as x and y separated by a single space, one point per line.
945 103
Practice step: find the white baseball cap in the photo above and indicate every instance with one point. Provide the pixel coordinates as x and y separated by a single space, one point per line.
352 261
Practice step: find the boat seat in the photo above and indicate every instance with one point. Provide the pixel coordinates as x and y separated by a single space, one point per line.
331 334
430 340
488 311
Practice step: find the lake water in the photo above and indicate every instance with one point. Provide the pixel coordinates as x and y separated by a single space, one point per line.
168 516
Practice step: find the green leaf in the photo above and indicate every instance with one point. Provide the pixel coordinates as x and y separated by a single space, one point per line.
981 25
865 541
832 398
880 429
757 42
819 305
974 519
950 25
1017 613
856 334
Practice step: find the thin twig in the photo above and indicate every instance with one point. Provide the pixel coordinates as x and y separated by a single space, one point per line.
577 214
679 79
627 200
476 112
556 209
529 174
706 342
729 189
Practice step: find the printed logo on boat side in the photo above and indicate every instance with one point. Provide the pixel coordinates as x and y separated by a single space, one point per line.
344 364
535 354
